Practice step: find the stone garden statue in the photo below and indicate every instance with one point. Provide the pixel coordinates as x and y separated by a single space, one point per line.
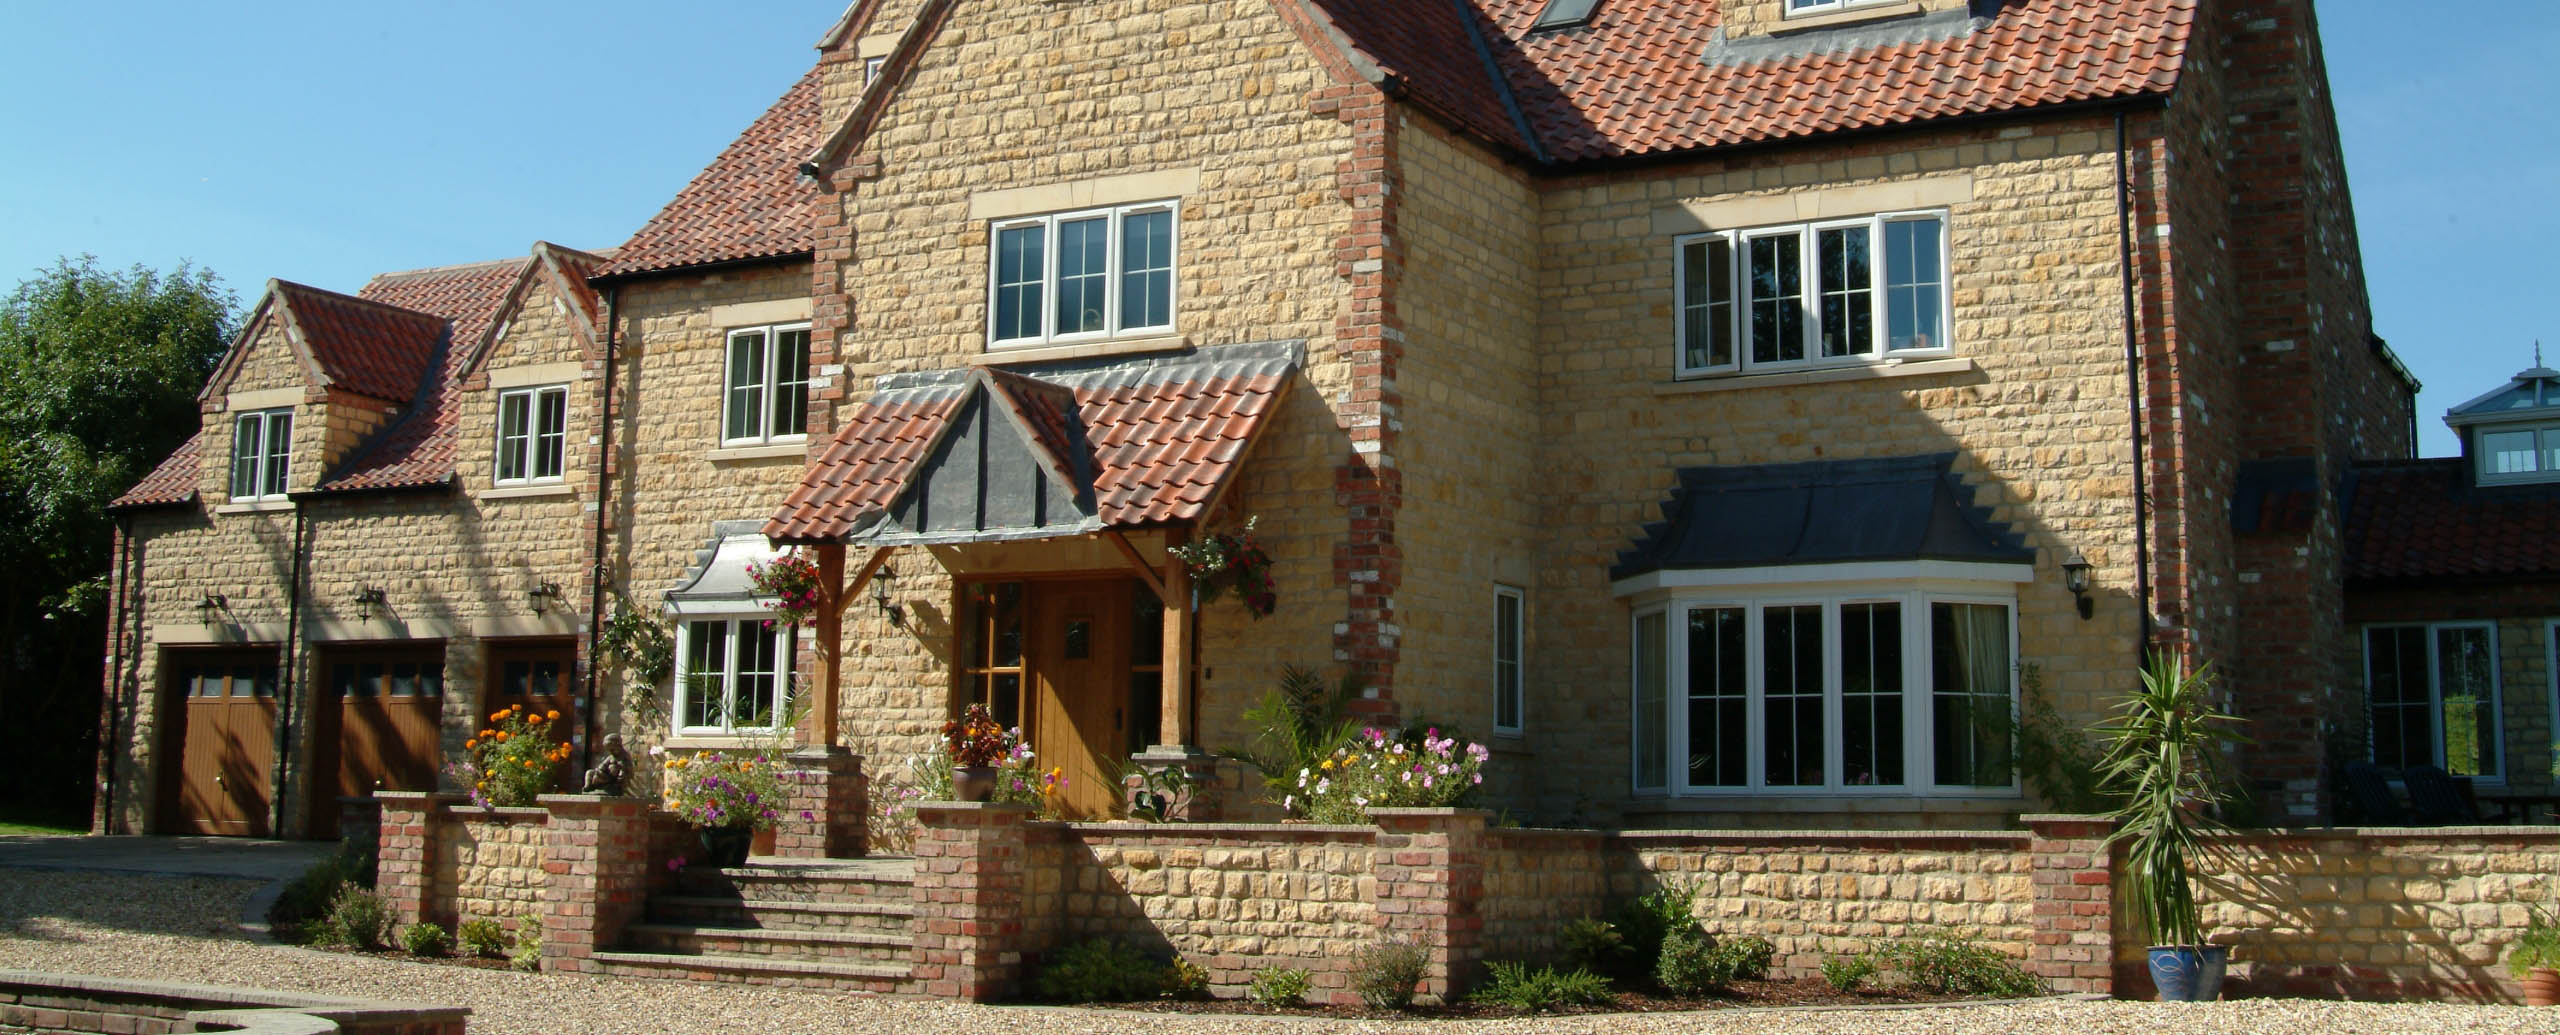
610 771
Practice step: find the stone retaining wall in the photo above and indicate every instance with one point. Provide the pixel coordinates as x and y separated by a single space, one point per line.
1536 882
487 863
42 1002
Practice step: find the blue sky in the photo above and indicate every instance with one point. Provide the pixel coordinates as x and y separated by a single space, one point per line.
327 142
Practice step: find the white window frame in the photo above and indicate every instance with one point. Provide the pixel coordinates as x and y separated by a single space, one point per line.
2546 445
2496 774
764 431
527 446
1808 258
1510 674
270 470
1800 8
871 67
1919 749
786 648
1114 219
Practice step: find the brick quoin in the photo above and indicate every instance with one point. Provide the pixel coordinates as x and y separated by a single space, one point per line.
1368 563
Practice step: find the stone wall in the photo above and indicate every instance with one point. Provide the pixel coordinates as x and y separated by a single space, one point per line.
1814 893
1234 898
487 863
1536 882
64 1003
2381 913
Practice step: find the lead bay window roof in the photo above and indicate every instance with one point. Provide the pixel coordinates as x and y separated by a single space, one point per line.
1909 509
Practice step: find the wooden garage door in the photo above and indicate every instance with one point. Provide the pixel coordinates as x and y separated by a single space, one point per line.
379 714
223 707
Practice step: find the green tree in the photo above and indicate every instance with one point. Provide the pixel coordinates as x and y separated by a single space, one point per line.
98 375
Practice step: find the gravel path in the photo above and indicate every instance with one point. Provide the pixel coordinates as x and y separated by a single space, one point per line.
181 929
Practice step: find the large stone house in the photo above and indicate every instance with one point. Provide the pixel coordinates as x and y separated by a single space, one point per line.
1729 410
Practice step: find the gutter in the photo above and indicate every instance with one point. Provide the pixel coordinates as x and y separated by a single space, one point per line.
689 269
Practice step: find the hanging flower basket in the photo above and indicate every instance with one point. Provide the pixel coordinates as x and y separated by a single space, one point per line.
792 580
1231 561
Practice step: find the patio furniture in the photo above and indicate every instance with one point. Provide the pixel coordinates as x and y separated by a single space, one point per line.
2368 800
2439 798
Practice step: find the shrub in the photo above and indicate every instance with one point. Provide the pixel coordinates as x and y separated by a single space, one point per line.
525 951
1751 956
1386 973
360 918
513 761
483 937
425 939
1379 771
1594 944
1957 963
1514 985
713 790
1100 970
1184 979
1651 917
1847 972
1692 964
1276 986
300 913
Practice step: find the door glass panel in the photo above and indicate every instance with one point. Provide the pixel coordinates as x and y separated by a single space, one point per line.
1004 699
404 679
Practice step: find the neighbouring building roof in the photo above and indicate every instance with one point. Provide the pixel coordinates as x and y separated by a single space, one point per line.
2422 519
751 203
1903 508
1148 441
173 482
1652 76
418 449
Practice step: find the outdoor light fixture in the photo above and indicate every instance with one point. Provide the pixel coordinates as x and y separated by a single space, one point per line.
880 595
211 607
543 596
368 601
2075 577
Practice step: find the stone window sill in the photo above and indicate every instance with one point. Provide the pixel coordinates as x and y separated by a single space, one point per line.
706 742
254 507
1080 350
527 492
1853 16
1825 375
772 451
1992 803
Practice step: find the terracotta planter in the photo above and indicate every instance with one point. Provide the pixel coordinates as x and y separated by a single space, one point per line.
2542 987
973 782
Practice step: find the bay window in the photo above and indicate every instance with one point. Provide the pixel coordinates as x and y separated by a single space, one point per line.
1842 692
2433 691
1079 276
1812 294
733 675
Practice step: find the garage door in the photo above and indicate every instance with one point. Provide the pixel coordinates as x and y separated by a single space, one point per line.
379 716
222 711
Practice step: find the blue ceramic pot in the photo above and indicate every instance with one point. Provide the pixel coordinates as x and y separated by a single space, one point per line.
2188 973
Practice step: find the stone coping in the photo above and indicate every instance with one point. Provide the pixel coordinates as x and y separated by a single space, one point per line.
1551 832
464 810
253 1010
1213 830
2021 837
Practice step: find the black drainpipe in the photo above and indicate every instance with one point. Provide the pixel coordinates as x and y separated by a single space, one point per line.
117 647
287 682
604 495
2133 391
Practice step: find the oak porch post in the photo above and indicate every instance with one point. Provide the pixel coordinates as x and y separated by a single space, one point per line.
1181 627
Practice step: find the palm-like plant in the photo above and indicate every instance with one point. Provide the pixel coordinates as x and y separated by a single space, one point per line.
1296 726
2165 757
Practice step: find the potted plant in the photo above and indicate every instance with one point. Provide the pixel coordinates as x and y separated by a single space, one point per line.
2534 958
2164 755
727 799
512 762
975 743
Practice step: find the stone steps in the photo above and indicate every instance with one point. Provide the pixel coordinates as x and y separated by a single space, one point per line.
826 923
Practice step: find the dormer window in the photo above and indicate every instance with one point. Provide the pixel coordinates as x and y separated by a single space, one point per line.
2513 433
261 451
1804 7
2519 454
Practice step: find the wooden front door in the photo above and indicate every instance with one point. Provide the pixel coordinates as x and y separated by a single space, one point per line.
540 676
1077 651
379 716
223 705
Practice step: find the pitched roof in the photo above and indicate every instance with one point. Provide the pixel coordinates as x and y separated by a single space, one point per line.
418 449
173 482
2422 519
751 203
1823 511
1431 48
362 345
1163 435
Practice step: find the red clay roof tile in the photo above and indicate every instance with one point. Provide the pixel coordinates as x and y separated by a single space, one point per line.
173 482
751 203
2420 519
364 346
419 448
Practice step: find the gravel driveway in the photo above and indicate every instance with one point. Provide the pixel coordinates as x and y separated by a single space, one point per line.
182 929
